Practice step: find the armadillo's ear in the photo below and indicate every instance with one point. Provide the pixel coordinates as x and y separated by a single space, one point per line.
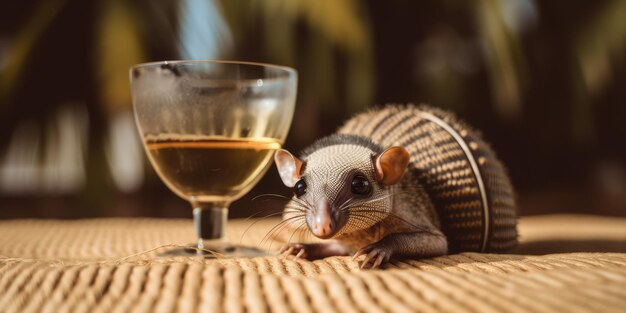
391 164
289 167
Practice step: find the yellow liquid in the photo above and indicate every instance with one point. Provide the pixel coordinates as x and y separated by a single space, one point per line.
210 168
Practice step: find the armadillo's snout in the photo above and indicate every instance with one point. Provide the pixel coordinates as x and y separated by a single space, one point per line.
321 223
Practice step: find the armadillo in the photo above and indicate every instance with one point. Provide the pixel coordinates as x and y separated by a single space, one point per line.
399 181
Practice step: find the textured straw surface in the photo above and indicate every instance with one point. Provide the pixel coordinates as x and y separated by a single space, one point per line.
59 266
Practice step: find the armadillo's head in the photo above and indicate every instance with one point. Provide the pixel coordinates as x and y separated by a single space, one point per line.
340 188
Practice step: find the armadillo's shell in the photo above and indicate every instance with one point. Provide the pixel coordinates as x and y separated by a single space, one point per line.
467 183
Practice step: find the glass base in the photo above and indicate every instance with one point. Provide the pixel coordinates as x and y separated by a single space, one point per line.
217 251
210 222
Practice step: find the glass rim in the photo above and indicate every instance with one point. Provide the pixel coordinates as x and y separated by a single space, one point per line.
289 70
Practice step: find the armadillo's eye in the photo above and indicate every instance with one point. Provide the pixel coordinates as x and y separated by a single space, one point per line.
360 185
299 188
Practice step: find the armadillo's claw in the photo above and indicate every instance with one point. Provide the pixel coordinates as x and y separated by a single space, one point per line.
379 260
297 249
375 256
285 250
301 253
358 254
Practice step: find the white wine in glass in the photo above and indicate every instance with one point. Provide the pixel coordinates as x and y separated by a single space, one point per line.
210 129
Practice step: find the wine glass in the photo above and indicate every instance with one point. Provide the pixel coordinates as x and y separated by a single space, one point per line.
210 129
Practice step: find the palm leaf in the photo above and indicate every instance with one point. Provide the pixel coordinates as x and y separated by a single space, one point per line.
504 59
119 47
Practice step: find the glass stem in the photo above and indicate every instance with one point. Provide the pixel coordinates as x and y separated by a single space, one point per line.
210 221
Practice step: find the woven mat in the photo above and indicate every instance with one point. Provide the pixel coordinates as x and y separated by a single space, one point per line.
84 266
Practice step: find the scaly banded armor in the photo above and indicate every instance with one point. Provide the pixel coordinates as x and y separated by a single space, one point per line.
467 184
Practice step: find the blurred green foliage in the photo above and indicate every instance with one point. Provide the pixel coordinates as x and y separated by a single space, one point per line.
543 79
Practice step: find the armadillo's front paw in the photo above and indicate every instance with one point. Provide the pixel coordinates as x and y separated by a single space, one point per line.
297 249
376 255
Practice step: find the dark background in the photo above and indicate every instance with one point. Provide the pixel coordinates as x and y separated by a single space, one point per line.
543 80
